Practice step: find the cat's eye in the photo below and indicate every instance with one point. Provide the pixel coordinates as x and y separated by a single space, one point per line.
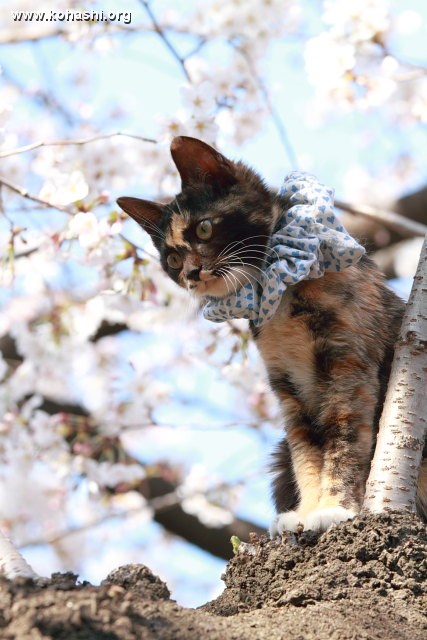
204 230
174 260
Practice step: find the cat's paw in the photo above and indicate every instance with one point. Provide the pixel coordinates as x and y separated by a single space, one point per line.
322 519
288 521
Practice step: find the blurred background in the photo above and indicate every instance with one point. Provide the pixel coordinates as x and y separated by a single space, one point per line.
132 430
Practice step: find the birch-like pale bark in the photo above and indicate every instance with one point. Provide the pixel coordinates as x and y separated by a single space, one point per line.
12 564
395 467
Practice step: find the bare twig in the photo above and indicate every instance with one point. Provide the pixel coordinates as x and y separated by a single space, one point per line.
278 123
161 33
49 34
46 99
78 141
156 505
111 28
390 219
9 37
25 194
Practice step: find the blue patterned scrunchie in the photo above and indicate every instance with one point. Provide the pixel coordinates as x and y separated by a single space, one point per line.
309 241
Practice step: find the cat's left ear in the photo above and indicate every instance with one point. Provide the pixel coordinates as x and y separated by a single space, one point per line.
197 162
146 213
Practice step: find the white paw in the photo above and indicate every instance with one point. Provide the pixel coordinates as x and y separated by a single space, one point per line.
322 519
288 521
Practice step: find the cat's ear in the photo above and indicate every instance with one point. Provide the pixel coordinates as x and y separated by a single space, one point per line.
146 213
197 162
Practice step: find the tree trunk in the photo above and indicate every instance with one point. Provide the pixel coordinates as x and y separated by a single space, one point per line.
394 472
12 564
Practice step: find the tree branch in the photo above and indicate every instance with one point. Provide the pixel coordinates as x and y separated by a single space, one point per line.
77 142
25 194
160 32
413 205
390 219
278 123
46 99
395 468
115 28
12 564
215 540
162 499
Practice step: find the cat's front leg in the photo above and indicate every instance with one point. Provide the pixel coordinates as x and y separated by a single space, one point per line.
298 468
348 396
345 468
320 471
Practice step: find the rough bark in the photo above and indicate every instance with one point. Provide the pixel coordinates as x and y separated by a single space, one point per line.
12 564
395 468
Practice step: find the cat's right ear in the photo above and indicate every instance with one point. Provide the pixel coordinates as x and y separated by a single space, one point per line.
146 213
197 162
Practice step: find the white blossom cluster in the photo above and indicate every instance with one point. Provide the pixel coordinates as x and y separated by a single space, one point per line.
350 65
254 22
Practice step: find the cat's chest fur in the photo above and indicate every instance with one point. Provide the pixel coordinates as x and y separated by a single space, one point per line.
287 348
313 335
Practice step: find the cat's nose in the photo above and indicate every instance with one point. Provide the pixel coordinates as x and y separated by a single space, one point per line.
194 274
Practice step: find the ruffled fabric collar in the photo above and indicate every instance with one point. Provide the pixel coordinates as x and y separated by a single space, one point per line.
309 241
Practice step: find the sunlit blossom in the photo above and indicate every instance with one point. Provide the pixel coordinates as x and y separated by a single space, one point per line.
64 188
327 60
199 99
357 20
85 226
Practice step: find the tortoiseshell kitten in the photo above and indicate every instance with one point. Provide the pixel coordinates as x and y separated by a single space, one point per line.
328 348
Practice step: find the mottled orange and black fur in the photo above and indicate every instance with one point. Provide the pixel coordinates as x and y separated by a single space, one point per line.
327 350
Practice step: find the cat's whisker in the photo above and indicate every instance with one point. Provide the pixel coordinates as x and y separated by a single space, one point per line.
182 213
255 254
236 242
246 265
155 230
265 248
261 249
258 247
243 266
237 260
232 278
247 259
227 277
248 277
232 274
233 245
178 207
153 226
244 260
